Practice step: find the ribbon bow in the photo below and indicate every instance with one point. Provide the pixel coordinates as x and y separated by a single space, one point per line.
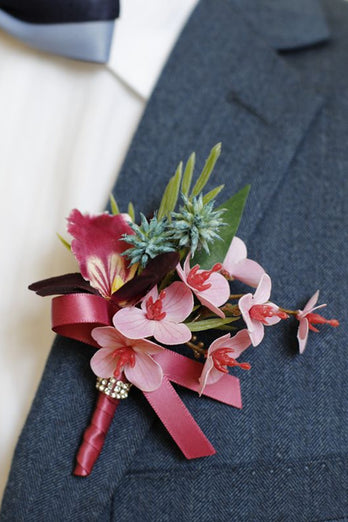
75 316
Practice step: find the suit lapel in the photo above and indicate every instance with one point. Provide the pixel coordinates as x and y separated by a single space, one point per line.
286 25
222 83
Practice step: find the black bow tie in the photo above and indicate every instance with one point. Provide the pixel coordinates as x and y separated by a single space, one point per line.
80 29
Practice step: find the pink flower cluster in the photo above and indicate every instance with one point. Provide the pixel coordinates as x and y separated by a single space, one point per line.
125 348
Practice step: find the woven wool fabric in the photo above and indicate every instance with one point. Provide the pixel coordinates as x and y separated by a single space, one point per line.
271 83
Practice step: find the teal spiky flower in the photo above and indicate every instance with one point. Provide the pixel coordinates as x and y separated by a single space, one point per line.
196 224
151 238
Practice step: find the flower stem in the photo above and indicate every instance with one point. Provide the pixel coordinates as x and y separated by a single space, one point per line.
290 312
236 296
197 348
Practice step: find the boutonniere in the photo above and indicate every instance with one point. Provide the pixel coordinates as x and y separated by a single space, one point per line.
147 285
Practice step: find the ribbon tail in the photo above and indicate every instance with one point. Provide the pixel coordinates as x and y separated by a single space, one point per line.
94 435
179 422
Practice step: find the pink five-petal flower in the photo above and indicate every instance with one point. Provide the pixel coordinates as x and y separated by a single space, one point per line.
258 312
307 318
211 288
237 265
222 353
131 356
97 246
160 315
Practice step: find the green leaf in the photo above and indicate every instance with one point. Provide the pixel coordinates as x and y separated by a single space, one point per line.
207 170
218 249
227 328
209 324
114 207
171 194
187 178
212 194
131 211
65 242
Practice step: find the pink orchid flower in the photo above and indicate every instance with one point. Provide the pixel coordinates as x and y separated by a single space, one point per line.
129 356
161 315
307 318
211 288
258 312
237 266
97 246
222 353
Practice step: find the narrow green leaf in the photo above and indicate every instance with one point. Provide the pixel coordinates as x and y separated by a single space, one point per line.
207 170
174 190
218 249
131 211
163 204
212 194
65 242
171 194
209 324
227 328
114 207
187 178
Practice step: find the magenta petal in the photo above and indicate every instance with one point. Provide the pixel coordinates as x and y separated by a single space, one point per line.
257 333
239 343
170 333
181 272
270 321
97 246
108 337
214 375
249 272
209 375
103 363
153 293
263 291
187 267
244 304
312 302
302 334
132 323
218 293
178 302
236 252
211 306
145 346
203 379
146 374
220 342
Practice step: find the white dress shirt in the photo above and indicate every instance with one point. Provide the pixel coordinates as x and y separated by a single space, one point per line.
65 127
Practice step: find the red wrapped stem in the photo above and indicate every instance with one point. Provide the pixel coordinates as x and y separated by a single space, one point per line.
94 435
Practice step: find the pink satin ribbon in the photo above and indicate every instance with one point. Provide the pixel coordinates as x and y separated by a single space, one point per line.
94 435
75 316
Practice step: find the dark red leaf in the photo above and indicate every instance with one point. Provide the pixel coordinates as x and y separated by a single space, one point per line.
135 289
64 284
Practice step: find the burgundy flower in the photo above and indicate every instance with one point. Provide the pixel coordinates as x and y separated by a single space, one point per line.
98 248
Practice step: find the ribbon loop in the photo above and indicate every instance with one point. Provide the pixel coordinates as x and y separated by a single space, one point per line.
75 316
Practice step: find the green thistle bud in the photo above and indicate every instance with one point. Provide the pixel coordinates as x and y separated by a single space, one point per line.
151 238
196 225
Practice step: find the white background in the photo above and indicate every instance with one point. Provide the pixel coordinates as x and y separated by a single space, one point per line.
65 127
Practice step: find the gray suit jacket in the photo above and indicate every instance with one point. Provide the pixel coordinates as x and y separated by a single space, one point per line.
269 80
